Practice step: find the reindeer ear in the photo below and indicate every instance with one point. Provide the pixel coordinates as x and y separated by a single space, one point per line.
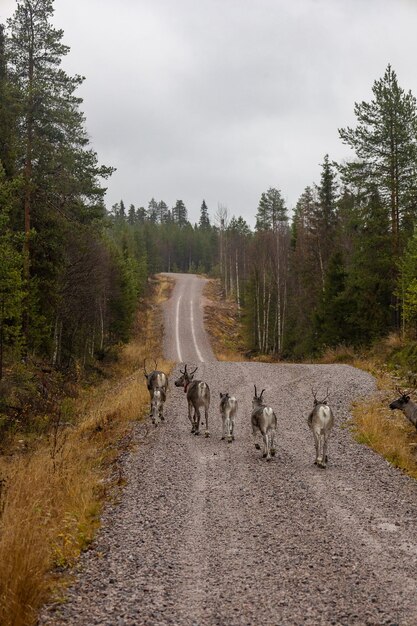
221 395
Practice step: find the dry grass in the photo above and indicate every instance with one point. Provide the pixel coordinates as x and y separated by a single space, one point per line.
338 354
374 424
223 324
388 433
51 497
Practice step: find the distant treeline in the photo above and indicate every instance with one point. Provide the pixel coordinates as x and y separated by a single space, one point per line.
341 269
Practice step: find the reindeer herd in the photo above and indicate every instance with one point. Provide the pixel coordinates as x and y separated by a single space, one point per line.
263 418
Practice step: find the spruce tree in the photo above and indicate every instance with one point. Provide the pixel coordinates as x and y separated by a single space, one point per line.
204 222
179 213
162 212
153 211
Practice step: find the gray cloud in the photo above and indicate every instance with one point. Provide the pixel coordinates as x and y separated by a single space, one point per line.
219 100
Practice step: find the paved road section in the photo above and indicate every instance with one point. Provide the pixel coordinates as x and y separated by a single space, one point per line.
209 533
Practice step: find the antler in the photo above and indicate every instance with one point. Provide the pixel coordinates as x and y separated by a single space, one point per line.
326 396
156 364
314 394
260 397
144 368
256 395
193 372
403 392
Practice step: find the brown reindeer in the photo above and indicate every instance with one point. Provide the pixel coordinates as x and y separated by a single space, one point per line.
156 380
198 395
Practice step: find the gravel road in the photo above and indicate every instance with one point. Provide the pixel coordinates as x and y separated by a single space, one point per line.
209 533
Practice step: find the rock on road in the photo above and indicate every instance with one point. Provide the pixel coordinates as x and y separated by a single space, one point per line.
209 533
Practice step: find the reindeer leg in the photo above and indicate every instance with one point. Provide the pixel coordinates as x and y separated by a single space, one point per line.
223 427
232 428
254 433
197 422
206 434
190 417
229 429
266 453
316 445
273 435
325 459
320 454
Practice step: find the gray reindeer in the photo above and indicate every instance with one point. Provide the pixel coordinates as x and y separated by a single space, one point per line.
321 422
406 405
263 420
228 409
198 395
157 383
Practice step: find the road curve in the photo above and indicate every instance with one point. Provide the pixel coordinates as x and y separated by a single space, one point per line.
208 533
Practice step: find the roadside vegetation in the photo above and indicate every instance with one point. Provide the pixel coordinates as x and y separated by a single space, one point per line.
224 324
389 361
55 480
373 423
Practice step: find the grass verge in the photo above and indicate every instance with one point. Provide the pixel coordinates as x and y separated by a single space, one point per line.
223 324
52 495
374 424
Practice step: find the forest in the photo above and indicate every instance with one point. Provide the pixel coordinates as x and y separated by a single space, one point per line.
338 269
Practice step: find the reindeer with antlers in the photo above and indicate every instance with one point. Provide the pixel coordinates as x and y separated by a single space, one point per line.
198 395
157 383
407 406
321 422
263 420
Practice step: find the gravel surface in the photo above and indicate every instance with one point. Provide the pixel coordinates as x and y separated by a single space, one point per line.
209 533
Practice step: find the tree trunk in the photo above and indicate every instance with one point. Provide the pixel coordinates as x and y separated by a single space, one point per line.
28 168
237 284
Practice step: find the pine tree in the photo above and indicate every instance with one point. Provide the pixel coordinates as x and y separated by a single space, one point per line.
11 269
385 143
131 218
407 286
59 170
333 310
204 222
370 281
179 213
272 211
162 212
8 114
153 211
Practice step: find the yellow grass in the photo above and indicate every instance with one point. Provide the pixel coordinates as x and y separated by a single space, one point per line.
374 424
51 497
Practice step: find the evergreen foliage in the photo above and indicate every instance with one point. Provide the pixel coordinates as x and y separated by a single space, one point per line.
342 270
204 216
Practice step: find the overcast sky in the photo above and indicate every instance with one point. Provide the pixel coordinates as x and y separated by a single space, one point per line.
222 99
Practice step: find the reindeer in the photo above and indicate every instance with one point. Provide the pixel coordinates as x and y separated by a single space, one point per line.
321 422
228 408
157 405
407 406
198 395
156 380
263 420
